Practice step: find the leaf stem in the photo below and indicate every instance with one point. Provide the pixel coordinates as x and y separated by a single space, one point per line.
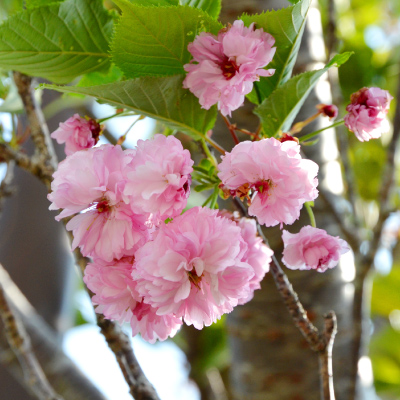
315 133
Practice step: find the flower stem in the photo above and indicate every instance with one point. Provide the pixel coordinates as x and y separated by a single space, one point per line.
231 129
308 205
208 152
215 145
315 133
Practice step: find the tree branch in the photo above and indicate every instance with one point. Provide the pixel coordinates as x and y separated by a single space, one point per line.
320 343
39 132
21 345
61 372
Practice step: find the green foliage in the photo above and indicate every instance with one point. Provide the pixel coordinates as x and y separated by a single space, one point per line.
287 27
206 175
155 2
211 7
40 3
94 78
386 293
368 162
145 44
163 99
278 111
57 42
385 355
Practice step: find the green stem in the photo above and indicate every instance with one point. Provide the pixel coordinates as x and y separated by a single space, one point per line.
312 134
123 114
310 213
208 152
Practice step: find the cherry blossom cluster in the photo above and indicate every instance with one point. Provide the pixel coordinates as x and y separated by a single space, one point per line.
152 266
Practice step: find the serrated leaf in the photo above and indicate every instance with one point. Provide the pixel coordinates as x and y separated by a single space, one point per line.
278 111
57 42
163 99
152 41
155 2
94 78
287 27
211 7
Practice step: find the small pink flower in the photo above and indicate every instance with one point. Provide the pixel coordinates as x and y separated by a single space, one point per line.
193 268
312 248
77 133
224 67
115 297
367 113
279 179
159 179
91 183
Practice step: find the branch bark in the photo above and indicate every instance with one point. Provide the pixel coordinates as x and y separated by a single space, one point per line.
20 342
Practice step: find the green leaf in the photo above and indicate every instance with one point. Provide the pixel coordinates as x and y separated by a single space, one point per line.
155 2
163 99
152 41
57 42
287 27
40 3
211 7
278 111
294 1
100 78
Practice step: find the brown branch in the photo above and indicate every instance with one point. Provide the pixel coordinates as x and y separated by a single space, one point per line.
20 343
320 343
25 162
5 186
65 377
39 132
118 342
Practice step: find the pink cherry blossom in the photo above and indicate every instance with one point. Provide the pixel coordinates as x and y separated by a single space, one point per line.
193 268
92 182
224 67
159 179
279 179
312 248
367 113
115 297
77 133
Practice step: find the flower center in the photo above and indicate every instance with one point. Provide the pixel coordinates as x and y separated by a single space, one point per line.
229 68
194 278
263 187
102 206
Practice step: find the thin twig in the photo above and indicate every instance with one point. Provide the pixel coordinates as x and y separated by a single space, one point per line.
351 237
116 339
231 129
20 343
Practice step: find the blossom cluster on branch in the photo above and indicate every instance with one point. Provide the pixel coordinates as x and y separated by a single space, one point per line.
157 266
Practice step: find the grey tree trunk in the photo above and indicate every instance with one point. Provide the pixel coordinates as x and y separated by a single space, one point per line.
270 358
